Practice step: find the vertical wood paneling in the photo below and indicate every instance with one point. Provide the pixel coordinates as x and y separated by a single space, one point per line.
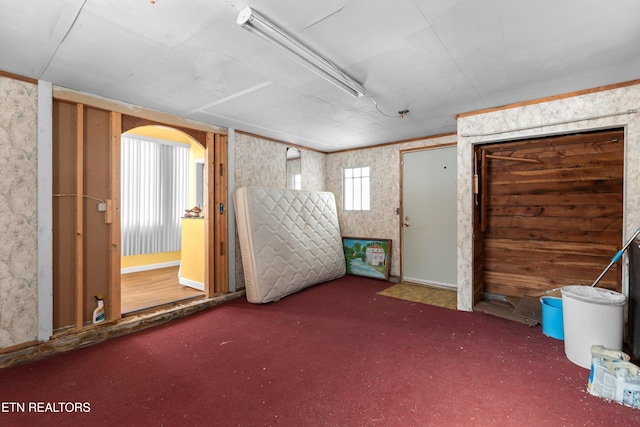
79 217
63 210
96 176
552 208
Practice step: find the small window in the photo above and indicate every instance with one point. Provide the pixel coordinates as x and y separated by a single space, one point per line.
297 181
356 195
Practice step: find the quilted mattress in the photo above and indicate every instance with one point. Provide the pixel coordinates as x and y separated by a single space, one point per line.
289 240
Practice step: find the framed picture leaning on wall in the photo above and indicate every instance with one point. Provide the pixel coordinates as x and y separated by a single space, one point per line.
367 257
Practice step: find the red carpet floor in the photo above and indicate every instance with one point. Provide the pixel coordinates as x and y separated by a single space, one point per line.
335 354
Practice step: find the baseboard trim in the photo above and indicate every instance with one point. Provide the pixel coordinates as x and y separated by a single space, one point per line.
149 267
191 283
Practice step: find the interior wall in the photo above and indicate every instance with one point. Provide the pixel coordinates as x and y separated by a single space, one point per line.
259 161
381 221
314 165
597 110
18 212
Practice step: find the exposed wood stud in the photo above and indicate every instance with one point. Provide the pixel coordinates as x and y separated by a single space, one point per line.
115 297
221 273
210 215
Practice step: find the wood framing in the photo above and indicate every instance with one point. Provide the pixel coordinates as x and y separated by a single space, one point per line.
86 208
221 240
210 216
112 217
157 117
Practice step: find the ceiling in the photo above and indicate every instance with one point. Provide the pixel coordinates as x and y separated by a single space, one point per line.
435 58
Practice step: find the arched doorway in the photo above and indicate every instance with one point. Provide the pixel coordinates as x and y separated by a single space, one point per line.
161 217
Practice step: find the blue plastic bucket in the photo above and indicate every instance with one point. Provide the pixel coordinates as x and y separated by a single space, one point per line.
552 324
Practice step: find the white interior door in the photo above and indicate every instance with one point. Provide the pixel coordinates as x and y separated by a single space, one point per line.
429 209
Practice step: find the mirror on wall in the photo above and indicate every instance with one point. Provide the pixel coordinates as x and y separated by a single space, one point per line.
294 169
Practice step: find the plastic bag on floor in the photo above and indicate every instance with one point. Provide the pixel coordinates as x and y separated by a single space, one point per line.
613 377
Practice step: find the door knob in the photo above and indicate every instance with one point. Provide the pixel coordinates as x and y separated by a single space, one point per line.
405 223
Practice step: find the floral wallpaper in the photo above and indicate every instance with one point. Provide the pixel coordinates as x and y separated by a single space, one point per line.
598 110
18 212
263 162
313 170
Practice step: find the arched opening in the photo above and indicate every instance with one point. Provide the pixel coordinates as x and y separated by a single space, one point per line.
161 210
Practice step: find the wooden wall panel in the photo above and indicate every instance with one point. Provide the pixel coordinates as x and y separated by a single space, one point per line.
478 232
79 220
96 186
81 171
551 209
63 203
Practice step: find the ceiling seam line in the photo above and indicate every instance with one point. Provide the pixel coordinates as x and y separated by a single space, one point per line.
63 38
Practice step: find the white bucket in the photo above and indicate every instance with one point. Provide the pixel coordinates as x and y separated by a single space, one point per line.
591 316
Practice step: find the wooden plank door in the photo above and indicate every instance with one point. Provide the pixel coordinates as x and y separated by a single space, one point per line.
550 212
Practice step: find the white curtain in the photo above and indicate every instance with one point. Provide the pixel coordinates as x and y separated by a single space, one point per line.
154 185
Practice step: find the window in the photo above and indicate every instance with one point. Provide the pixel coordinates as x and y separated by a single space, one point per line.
154 193
297 181
356 196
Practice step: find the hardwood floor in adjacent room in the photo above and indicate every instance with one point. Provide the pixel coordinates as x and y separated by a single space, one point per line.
146 289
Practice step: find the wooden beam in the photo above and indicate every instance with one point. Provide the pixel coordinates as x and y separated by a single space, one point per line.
113 210
68 95
18 77
210 216
515 159
221 258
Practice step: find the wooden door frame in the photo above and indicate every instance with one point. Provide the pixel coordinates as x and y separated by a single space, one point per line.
401 196
216 253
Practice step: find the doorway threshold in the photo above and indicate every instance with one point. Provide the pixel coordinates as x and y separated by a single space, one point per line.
162 306
503 307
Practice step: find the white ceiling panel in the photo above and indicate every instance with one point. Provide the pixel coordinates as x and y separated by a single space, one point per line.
436 58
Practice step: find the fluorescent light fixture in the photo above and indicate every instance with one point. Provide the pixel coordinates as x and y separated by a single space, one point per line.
253 21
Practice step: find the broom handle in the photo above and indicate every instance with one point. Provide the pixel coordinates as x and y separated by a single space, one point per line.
616 257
